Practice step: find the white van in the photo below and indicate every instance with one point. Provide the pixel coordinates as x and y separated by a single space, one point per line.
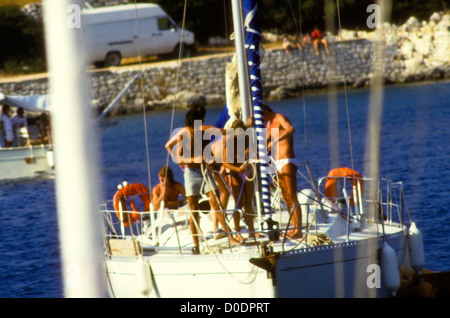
111 33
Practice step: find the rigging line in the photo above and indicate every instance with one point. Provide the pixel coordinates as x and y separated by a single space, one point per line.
345 85
300 32
174 104
226 28
143 99
308 69
210 248
180 52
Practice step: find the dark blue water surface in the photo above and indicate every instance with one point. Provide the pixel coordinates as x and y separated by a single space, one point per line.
415 149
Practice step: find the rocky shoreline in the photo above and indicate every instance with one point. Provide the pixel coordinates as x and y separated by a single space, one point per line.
416 51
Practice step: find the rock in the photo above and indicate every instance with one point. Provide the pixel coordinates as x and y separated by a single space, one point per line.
412 24
436 17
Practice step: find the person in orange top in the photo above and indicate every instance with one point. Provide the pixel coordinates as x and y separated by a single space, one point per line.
317 38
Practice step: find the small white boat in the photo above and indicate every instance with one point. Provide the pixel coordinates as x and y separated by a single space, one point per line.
36 158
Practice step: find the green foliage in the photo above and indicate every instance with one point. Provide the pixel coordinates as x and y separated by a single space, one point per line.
205 18
213 17
22 41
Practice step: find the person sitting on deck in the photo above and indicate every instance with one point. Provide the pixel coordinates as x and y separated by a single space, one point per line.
168 191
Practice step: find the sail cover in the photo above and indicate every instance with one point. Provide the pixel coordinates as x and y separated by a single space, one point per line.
252 32
33 103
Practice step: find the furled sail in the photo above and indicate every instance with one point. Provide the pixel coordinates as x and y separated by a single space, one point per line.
252 31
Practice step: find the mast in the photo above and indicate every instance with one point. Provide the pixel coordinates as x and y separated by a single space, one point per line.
75 148
250 83
253 38
244 87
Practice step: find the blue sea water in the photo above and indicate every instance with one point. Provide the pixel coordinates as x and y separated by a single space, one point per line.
415 149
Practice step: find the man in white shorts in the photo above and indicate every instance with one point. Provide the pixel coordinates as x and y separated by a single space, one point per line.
286 164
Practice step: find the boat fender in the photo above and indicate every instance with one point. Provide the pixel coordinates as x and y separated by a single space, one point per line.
416 250
389 268
143 279
51 159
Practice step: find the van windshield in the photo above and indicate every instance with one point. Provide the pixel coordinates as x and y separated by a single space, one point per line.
165 24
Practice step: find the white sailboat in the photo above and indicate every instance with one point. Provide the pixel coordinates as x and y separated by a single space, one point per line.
33 157
355 247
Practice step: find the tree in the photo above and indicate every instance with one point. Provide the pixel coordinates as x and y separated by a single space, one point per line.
22 40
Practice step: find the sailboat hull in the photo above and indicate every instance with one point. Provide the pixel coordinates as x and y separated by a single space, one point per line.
191 276
26 162
327 271
338 270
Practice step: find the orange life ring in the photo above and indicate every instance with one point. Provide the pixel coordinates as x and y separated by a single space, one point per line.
130 190
331 189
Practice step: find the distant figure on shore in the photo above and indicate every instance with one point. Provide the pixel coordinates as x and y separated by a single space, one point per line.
287 44
306 40
317 38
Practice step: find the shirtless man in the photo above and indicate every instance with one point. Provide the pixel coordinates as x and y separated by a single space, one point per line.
190 158
286 165
168 190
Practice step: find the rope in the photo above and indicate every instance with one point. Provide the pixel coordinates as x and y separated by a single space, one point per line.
142 93
180 53
345 86
210 248
311 75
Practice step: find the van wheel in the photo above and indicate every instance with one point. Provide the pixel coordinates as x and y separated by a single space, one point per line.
113 59
187 52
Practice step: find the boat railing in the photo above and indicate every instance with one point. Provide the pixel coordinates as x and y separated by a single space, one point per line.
125 224
374 199
386 207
